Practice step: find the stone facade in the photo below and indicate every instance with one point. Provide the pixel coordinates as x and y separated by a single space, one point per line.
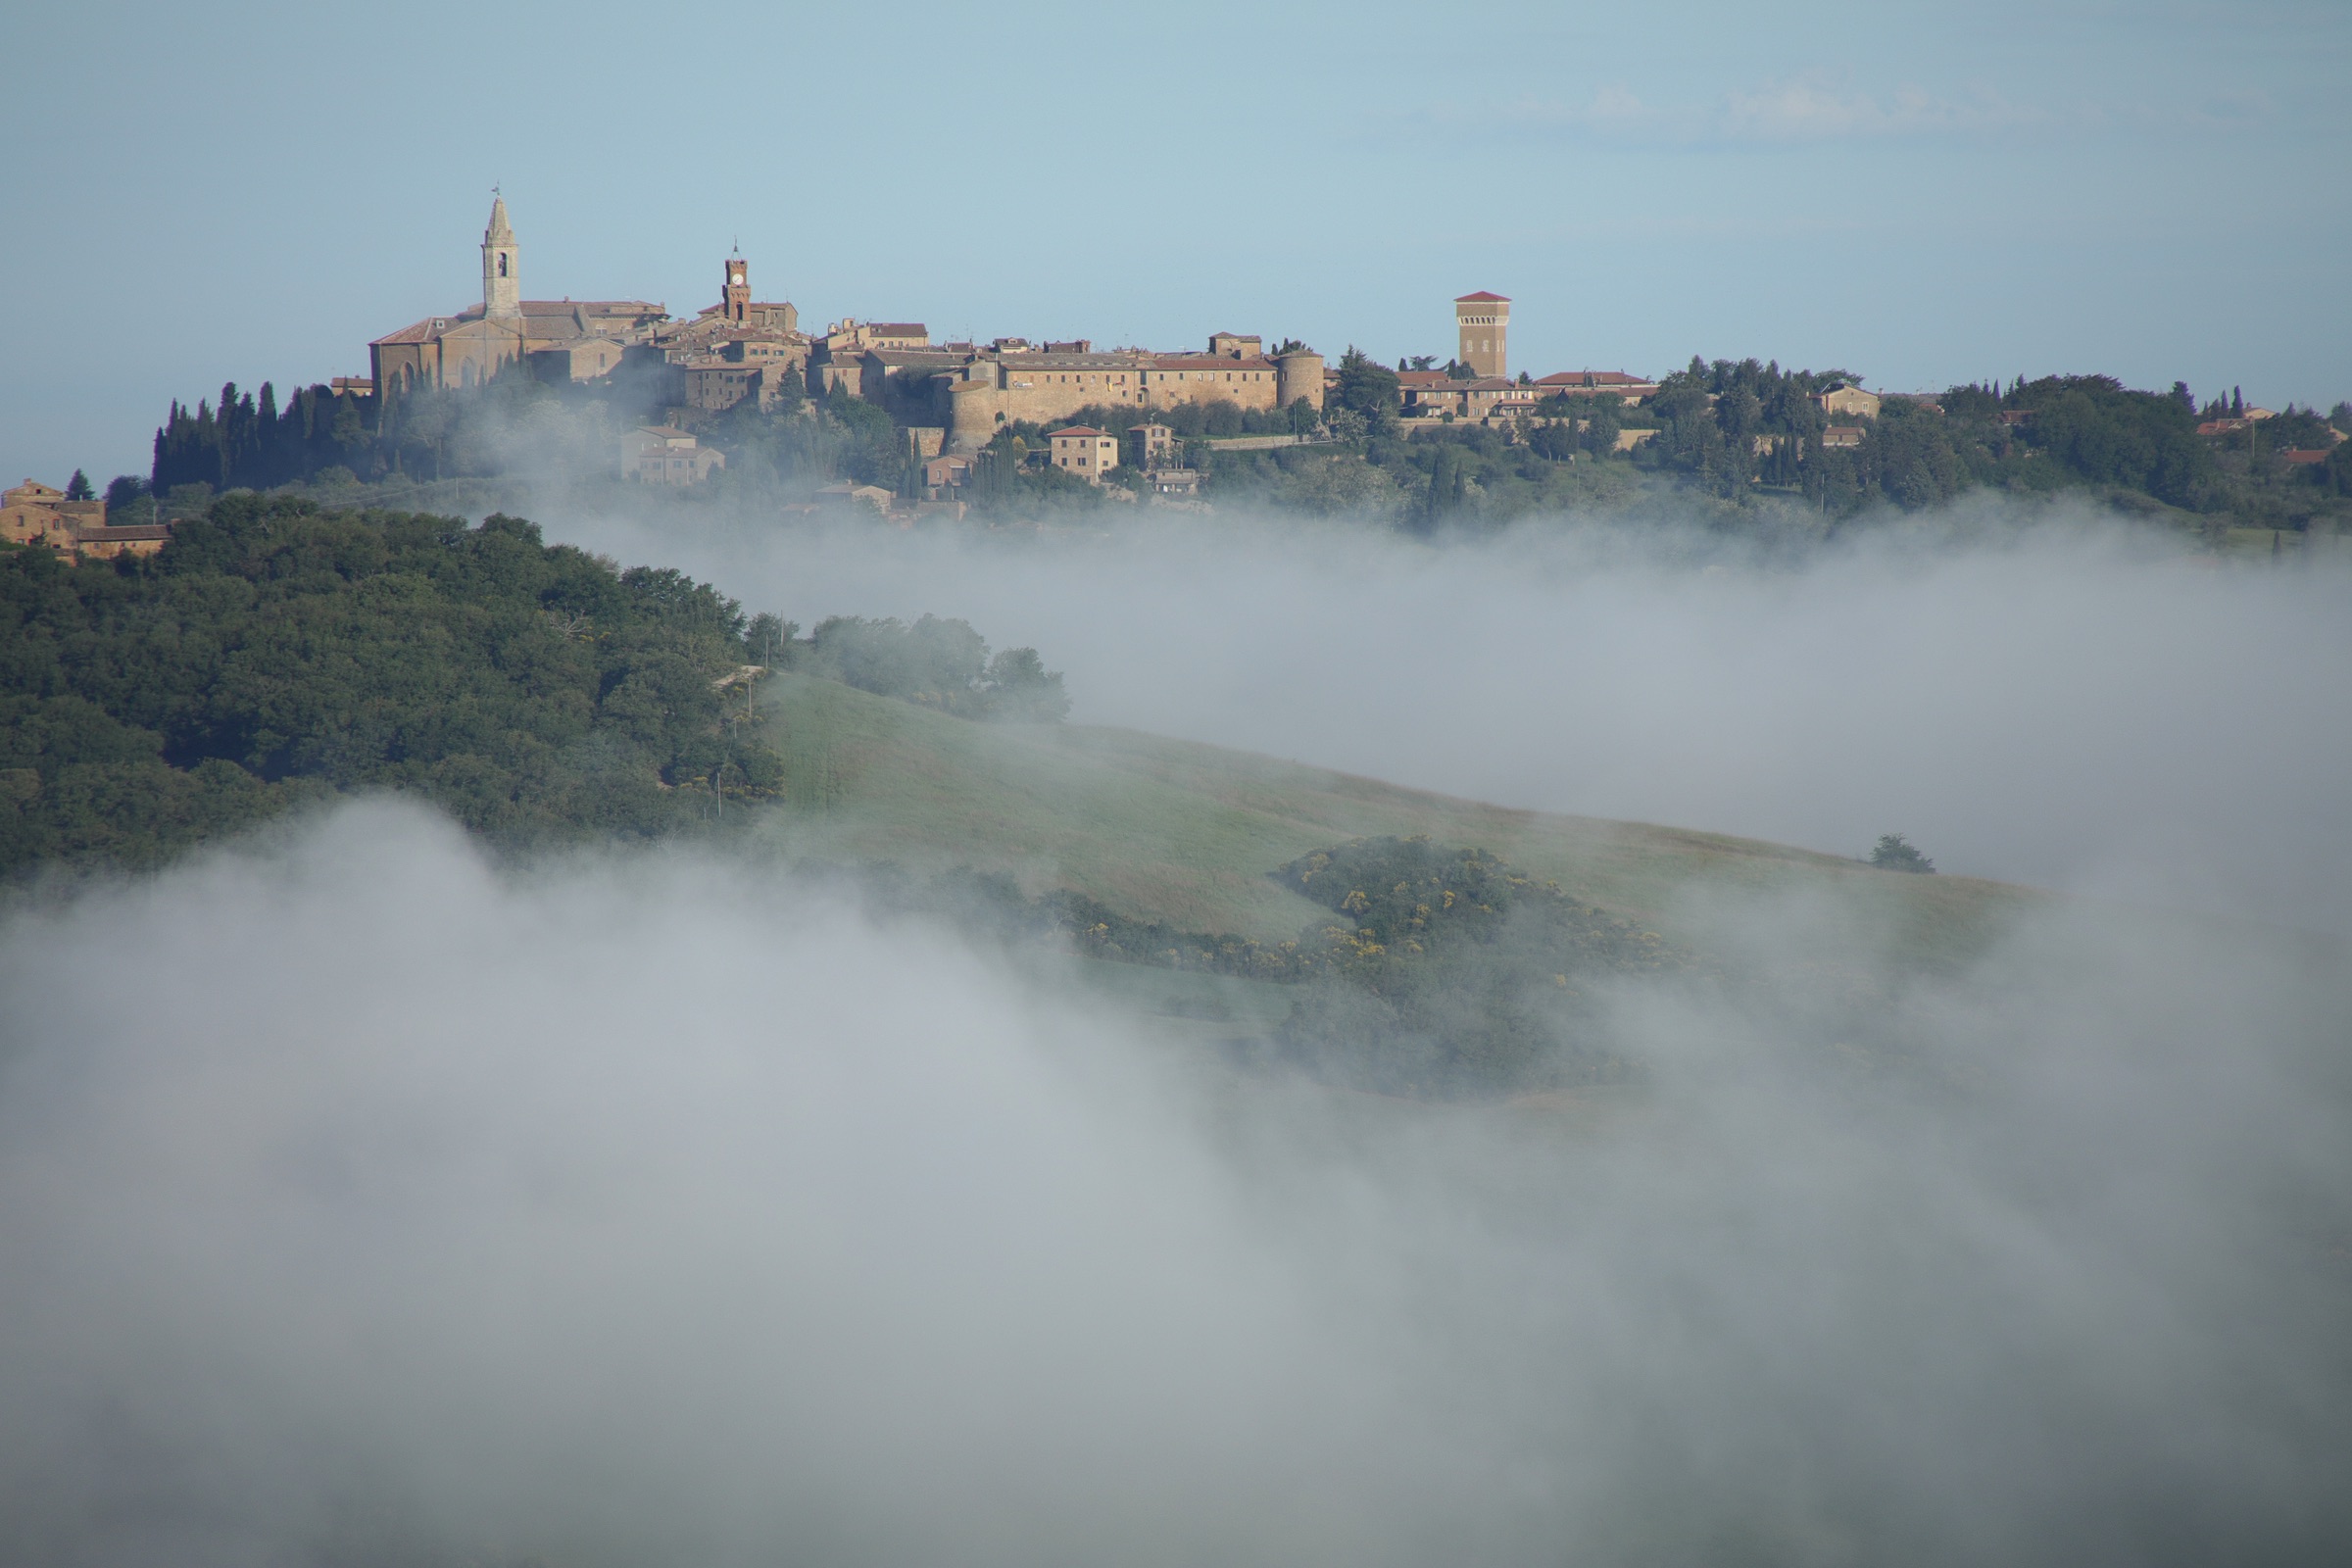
473 345
1150 445
1631 390
107 544
35 514
1850 401
1084 452
589 359
659 454
988 389
1483 325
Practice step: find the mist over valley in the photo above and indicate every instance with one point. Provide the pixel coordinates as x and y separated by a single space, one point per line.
983 1136
1328 786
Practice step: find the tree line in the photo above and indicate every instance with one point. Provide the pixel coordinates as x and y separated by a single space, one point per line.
275 653
1742 433
1750 434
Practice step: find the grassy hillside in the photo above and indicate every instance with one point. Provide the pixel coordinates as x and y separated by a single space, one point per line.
1183 832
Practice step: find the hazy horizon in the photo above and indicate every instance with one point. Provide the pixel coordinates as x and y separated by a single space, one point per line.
2147 191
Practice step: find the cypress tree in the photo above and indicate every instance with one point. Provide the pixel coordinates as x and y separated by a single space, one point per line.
265 462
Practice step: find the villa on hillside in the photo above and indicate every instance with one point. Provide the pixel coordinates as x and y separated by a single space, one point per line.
35 514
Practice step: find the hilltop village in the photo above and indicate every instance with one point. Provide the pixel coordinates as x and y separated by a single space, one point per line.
741 404
954 398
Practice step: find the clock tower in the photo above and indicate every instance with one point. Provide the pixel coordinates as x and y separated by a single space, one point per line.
736 297
502 270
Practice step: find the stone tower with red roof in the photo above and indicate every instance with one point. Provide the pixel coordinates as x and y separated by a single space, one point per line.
1484 321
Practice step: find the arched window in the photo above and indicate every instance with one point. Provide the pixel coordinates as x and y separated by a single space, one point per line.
502 263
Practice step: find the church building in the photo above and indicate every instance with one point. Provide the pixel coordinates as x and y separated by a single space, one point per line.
582 338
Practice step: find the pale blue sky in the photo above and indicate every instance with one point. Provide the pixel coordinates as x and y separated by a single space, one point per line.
1923 194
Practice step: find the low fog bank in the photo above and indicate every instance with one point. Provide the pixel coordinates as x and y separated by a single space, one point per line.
2068 704
363 1205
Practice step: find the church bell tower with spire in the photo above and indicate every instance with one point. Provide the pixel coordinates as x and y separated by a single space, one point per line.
502 271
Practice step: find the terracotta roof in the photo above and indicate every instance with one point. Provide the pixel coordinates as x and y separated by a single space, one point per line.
898 329
1076 430
1600 379
1480 297
1084 361
592 307
422 332
2304 455
425 332
1422 378
127 532
1209 362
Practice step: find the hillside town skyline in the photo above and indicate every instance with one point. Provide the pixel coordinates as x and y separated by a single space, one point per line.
741 349
890 416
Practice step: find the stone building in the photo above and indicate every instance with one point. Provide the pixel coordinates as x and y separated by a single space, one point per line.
737 350
985 389
35 514
107 544
1433 394
1631 390
737 307
1847 399
1482 324
587 359
1150 445
475 344
1085 451
660 454
737 317
946 473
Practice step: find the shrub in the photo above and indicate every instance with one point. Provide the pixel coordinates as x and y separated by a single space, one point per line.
1895 853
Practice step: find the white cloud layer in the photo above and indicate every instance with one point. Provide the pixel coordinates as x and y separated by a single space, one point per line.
2056 705
361 1205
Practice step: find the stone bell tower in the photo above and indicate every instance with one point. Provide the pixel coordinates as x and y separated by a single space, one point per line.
502 268
736 297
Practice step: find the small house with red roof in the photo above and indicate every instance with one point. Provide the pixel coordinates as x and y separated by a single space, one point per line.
1085 451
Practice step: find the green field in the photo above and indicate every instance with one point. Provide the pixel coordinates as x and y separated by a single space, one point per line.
1186 833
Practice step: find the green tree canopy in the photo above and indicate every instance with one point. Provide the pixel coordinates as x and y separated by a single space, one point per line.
274 653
